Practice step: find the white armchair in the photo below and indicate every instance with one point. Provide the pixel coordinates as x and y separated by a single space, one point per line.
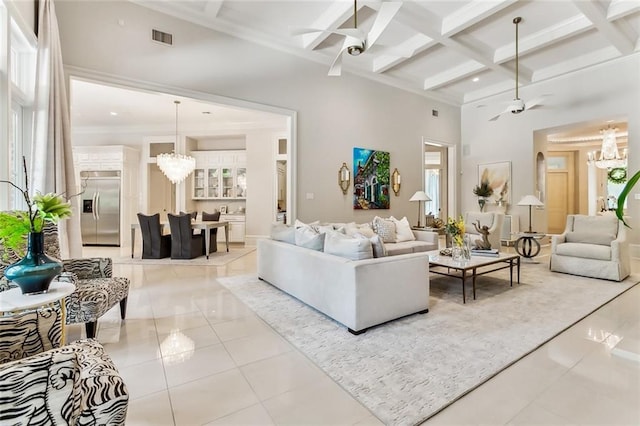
492 220
592 246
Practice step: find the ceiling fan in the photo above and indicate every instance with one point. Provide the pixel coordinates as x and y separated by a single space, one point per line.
356 41
517 105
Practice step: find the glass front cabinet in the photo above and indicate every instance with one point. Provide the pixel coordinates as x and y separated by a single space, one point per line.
219 175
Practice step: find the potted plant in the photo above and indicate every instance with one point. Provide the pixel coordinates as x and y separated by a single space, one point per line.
623 196
483 191
34 272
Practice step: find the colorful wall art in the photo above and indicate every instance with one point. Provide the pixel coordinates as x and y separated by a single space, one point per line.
370 179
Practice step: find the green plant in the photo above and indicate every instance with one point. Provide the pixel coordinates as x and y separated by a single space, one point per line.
42 208
623 196
483 190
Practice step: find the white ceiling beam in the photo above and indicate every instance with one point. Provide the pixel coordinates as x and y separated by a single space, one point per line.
470 14
550 35
212 8
414 45
597 15
621 8
334 16
415 16
574 64
452 74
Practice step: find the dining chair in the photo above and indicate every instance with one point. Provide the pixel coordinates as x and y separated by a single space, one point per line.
213 239
184 244
154 244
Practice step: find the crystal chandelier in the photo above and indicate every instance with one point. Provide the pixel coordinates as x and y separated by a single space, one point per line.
176 167
609 155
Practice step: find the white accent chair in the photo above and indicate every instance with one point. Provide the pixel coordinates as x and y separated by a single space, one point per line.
493 220
592 246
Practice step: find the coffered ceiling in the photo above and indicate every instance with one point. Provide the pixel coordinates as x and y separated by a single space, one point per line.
456 51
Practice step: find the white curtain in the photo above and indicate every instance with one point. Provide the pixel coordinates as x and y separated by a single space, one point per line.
51 156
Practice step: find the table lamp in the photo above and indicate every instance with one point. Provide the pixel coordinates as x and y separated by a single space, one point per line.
530 200
421 197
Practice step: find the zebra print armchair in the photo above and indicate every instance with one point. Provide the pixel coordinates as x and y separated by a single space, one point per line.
77 384
97 290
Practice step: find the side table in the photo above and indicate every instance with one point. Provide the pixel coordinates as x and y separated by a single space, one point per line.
528 245
14 301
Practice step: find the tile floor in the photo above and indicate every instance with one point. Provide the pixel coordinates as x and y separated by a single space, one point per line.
193 354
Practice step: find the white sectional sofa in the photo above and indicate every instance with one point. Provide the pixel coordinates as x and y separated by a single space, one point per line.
357 293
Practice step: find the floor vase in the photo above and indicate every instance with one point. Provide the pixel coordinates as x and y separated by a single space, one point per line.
36 270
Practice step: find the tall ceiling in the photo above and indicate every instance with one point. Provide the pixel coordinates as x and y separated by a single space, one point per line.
456 51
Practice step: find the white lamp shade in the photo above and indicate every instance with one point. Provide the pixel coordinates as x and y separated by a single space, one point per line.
420 196
530 200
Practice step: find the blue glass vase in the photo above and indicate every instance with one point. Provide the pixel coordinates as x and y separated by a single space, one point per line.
36 270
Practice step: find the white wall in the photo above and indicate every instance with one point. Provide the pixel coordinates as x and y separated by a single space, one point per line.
607 91
334 114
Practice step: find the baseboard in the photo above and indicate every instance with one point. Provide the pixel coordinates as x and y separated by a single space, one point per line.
252 240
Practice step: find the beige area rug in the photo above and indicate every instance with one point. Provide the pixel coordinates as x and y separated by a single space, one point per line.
407 370
219 258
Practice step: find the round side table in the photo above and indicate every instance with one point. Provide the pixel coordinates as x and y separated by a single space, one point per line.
14 301
528 244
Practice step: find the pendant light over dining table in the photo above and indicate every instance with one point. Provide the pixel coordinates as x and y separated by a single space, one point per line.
176 167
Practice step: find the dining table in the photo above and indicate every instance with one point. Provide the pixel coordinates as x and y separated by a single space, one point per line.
207 225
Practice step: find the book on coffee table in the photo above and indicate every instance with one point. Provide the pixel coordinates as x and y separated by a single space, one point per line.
481 252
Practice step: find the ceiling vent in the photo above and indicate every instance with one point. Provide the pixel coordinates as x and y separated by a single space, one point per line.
162 37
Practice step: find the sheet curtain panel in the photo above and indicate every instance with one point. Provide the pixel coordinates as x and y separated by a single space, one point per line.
52 167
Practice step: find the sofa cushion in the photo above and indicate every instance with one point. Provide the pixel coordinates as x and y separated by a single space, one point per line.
284 233
586 251
307 237
353 248
403 230
386 228
378 247
607 225
407 247
602 239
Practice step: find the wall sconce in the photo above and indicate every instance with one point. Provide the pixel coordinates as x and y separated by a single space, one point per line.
395 181
344 178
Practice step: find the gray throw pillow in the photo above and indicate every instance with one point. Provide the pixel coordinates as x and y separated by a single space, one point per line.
385 228
306 237
353 248
284 233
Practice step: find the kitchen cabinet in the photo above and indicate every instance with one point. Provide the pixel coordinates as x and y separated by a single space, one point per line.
220 175
237 228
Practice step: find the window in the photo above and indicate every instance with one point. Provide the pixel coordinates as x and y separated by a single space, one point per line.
435 180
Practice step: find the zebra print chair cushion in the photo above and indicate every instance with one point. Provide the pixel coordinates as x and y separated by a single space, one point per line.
30 333
76 384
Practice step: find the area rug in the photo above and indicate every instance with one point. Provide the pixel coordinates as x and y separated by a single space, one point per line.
407 370
218 258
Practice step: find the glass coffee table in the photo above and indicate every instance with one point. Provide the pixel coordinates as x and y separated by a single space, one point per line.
478 265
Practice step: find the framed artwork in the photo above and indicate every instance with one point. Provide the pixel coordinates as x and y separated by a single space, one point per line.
223 209
370 179
499 177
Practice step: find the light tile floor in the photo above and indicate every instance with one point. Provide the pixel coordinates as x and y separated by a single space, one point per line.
191 353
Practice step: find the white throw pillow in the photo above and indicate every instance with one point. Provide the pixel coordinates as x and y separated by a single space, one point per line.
379 250
284 233
341 245
306 237
362 228
300 224
403 230
385 228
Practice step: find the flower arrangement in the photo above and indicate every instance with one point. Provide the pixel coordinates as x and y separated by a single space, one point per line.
456 229
42 208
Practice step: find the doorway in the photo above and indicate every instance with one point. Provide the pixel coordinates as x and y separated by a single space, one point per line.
561 190
436 180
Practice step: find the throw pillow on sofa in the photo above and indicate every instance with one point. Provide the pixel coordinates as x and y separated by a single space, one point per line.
379 250
353 248
403 230
360 228
307 237
385 228
284 233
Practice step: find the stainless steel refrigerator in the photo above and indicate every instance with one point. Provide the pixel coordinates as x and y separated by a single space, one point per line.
100 219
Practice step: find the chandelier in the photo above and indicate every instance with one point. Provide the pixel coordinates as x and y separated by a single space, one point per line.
176 167
609 155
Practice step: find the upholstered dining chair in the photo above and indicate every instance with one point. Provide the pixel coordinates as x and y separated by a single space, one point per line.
213 239
194 215
184 244
154 244
97 290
